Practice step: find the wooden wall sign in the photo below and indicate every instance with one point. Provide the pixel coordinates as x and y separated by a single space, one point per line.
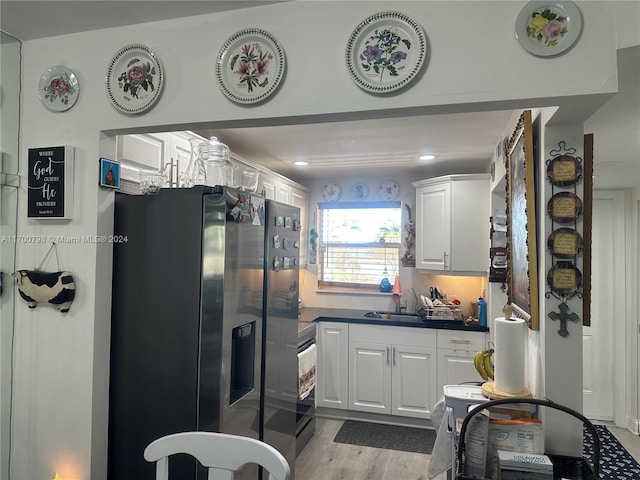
50 183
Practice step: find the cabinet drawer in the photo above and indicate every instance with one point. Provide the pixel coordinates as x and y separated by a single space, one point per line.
421 337
461 340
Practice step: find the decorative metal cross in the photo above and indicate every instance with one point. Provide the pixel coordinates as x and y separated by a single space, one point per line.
563 316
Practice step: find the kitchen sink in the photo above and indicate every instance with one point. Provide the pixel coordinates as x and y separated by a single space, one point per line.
396 317
413 318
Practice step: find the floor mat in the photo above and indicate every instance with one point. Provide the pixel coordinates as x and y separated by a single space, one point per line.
615 462
390 437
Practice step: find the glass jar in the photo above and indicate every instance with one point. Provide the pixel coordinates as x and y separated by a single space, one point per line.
196 173
214 156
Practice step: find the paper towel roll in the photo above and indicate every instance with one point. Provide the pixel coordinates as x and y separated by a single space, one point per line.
509 355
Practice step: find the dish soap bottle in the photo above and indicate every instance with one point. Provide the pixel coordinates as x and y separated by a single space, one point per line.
482 312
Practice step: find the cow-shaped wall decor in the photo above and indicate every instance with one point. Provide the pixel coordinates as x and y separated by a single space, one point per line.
56 288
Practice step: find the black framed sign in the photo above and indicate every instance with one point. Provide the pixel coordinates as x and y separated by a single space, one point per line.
50 183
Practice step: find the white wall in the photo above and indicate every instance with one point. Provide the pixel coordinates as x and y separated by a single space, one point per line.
61 361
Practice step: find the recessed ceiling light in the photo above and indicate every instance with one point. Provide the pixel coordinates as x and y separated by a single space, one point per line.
301 163
427 157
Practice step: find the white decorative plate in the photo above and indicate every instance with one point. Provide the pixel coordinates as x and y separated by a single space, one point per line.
385 52
250 66
331 192
58 88
388 190
134 79
548 28
360 191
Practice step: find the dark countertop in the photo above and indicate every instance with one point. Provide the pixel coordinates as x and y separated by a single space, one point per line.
311 314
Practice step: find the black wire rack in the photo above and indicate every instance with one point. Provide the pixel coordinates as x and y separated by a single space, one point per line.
574 468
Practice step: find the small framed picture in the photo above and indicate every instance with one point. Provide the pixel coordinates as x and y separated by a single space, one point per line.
109 173
279 221
287 222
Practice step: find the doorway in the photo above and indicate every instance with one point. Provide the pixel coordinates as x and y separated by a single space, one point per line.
603 341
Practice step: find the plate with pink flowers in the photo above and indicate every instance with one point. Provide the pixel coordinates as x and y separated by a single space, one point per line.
386 52
58 88
550 28
134 79
250 66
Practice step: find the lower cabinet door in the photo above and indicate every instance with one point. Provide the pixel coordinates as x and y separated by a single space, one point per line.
455 367
413 381
332 375
369 377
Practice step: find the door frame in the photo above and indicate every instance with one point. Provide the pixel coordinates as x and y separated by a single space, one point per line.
618 309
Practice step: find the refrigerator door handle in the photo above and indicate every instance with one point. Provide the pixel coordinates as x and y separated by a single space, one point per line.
387 355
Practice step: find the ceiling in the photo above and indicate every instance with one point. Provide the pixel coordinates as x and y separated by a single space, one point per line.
462 143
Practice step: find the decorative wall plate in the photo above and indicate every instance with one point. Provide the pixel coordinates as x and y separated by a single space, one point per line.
250 66
360 191
134 79
564 243
547 28
564 278
564 207
385 52
564 170
388 190
58 88
331 192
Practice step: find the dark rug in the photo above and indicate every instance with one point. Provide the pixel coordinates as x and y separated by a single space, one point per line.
615 462
390 437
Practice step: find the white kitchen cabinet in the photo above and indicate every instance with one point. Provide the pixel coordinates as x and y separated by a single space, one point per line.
392 370
452 215
332 372
456 349
152 151
275 189
300 199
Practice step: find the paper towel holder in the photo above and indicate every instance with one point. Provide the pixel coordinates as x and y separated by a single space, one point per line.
508 312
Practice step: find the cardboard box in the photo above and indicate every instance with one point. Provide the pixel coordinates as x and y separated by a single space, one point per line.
524 462
519 475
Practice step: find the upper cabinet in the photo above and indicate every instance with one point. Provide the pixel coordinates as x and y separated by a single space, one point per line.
452 215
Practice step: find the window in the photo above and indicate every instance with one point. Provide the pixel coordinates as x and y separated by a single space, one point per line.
359 244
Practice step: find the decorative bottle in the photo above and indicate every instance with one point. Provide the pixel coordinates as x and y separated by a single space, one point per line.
482 312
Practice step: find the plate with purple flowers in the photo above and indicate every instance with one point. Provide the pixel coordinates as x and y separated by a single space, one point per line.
250 66
386 52
548 28
134 79
58 88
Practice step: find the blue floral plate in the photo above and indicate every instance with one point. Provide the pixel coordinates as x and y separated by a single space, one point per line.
386 52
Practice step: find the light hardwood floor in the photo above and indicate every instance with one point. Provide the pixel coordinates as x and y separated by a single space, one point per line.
322 459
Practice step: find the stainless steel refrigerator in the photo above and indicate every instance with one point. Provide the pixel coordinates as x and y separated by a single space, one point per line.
280 349
186 338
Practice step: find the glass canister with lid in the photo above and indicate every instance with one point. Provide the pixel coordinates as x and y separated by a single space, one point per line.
215 155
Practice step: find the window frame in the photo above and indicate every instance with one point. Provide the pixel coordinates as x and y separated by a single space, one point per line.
395 248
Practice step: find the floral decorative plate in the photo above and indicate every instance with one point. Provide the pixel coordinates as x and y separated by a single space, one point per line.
548 28
360 191
331 192
250 66
134 79
58 88
385 52
388 190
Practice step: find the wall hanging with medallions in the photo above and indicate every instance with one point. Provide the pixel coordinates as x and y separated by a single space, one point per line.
565 242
